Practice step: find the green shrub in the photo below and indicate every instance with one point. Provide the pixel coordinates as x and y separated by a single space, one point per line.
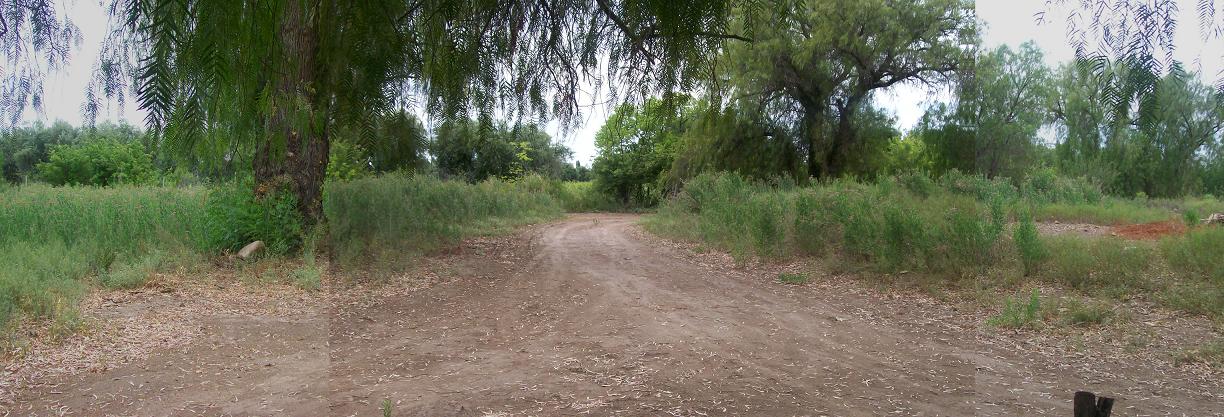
978 186
237 217
918 183
1029 245
1191 217
1046 186
1017 313
584 197
100 162
1081 313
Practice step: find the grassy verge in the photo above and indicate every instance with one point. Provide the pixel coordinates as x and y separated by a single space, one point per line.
387 219
953 234
55 240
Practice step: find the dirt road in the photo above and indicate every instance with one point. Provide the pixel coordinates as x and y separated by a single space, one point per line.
585 316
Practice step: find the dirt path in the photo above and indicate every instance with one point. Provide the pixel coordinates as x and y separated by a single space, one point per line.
583 316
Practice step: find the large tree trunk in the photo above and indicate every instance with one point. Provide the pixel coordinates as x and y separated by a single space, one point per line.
815 146
294 150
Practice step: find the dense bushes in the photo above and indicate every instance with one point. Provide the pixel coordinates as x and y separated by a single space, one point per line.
99 162
235 217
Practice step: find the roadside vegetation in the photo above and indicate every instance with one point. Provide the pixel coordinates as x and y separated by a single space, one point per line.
108 209
963 232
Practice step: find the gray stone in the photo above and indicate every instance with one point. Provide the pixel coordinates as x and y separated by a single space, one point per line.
251 249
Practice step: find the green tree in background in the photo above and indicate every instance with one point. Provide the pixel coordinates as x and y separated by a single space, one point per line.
100 162
992 128
477 151
637 144
277 79
820 61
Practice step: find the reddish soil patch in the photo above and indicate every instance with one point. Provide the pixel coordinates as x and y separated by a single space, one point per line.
1150 231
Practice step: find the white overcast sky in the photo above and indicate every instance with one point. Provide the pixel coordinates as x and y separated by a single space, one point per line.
1008 22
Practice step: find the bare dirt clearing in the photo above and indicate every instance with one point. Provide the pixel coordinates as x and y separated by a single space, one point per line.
589 316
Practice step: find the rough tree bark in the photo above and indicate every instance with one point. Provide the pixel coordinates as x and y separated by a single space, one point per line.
295 148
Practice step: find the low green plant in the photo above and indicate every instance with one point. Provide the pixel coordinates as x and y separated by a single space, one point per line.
1209 353
1018 313
133 274
236 217
53 239
792 278
1197 254
307 277
1028 244
1107 267
1085 313
1191 217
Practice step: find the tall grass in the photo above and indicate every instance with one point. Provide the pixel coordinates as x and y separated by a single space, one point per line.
951 232
53 238
382 218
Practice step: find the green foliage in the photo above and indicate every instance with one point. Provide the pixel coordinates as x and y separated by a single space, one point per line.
134 273
1032 252
479 151
1017 313
98 162
888 228
347 161
992 129
1102 267
53 239
789 278
307 277
636 145
1085 313
584 197
395 215
1191 217
804 68
1196 253
236 217
1210 353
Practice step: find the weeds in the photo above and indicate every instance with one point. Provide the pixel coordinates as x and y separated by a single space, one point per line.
1017 313
949 233
1032 252
1209 353
790 278
397 216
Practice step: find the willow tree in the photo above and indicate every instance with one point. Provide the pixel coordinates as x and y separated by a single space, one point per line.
34 40
821 60
271 80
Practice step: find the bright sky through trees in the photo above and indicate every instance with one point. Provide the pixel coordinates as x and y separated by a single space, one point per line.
1008 22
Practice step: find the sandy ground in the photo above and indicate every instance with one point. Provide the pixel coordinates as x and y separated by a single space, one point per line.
588 316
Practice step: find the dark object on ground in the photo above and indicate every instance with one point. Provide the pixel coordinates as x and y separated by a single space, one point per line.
1088 404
